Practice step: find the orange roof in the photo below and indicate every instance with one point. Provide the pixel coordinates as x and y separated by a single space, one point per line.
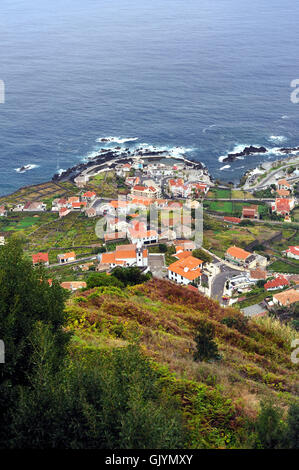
117 204
73 199
287 297
108 258
139 188
182 254
89 194
142 201
282 204
187 267
114 236
78 204
283 182
250 210
237 252
233 220
283 192
40 258
73 285
258 274
71 254
293 249
142 234
279 281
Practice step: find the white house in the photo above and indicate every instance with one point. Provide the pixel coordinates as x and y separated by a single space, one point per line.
185 270
3 211
293 252
125 255
66 257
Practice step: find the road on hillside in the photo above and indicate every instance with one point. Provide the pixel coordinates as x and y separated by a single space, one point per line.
220 279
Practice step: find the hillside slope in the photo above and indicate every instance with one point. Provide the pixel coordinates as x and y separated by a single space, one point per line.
218 397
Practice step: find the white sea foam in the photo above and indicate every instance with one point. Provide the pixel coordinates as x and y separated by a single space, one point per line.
116 140
209 127
237 149
225 167
277 138
25 168
172 151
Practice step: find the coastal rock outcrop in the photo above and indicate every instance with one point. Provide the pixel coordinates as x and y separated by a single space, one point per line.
251 150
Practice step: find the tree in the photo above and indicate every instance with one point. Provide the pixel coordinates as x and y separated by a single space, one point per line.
162 247
26 301
101 279
206 348
270 427
130 276
292 433
202 255
26 298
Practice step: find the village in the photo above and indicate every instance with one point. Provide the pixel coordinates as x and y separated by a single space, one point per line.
249 257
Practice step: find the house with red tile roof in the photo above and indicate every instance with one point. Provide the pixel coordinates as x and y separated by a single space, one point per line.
81 205
283 192
145 191
232 220
286 298
91 212
66 257
185 245
283 206
185 270
89 196
278 283
40 258
3 211
293 252
258 274
250 212
237 255
177 187
36 206
64 211
73 285
283 184
125 255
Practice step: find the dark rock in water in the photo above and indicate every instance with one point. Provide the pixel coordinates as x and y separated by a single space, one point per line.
231 157
289 150
105 140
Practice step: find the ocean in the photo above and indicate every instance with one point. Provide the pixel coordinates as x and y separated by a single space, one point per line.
208 76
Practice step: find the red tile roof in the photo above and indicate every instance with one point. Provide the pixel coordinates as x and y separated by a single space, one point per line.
282 205
188 268
233 220
279 281
293 249
40 258
238 253
89 194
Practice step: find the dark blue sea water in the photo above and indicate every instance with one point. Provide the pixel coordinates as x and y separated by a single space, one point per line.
207 75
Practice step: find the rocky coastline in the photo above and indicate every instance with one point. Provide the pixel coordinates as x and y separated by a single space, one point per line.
110 158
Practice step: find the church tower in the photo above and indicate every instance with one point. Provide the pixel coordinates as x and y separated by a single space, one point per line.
139 254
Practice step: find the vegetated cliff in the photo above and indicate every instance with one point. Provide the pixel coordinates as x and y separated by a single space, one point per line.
218 397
